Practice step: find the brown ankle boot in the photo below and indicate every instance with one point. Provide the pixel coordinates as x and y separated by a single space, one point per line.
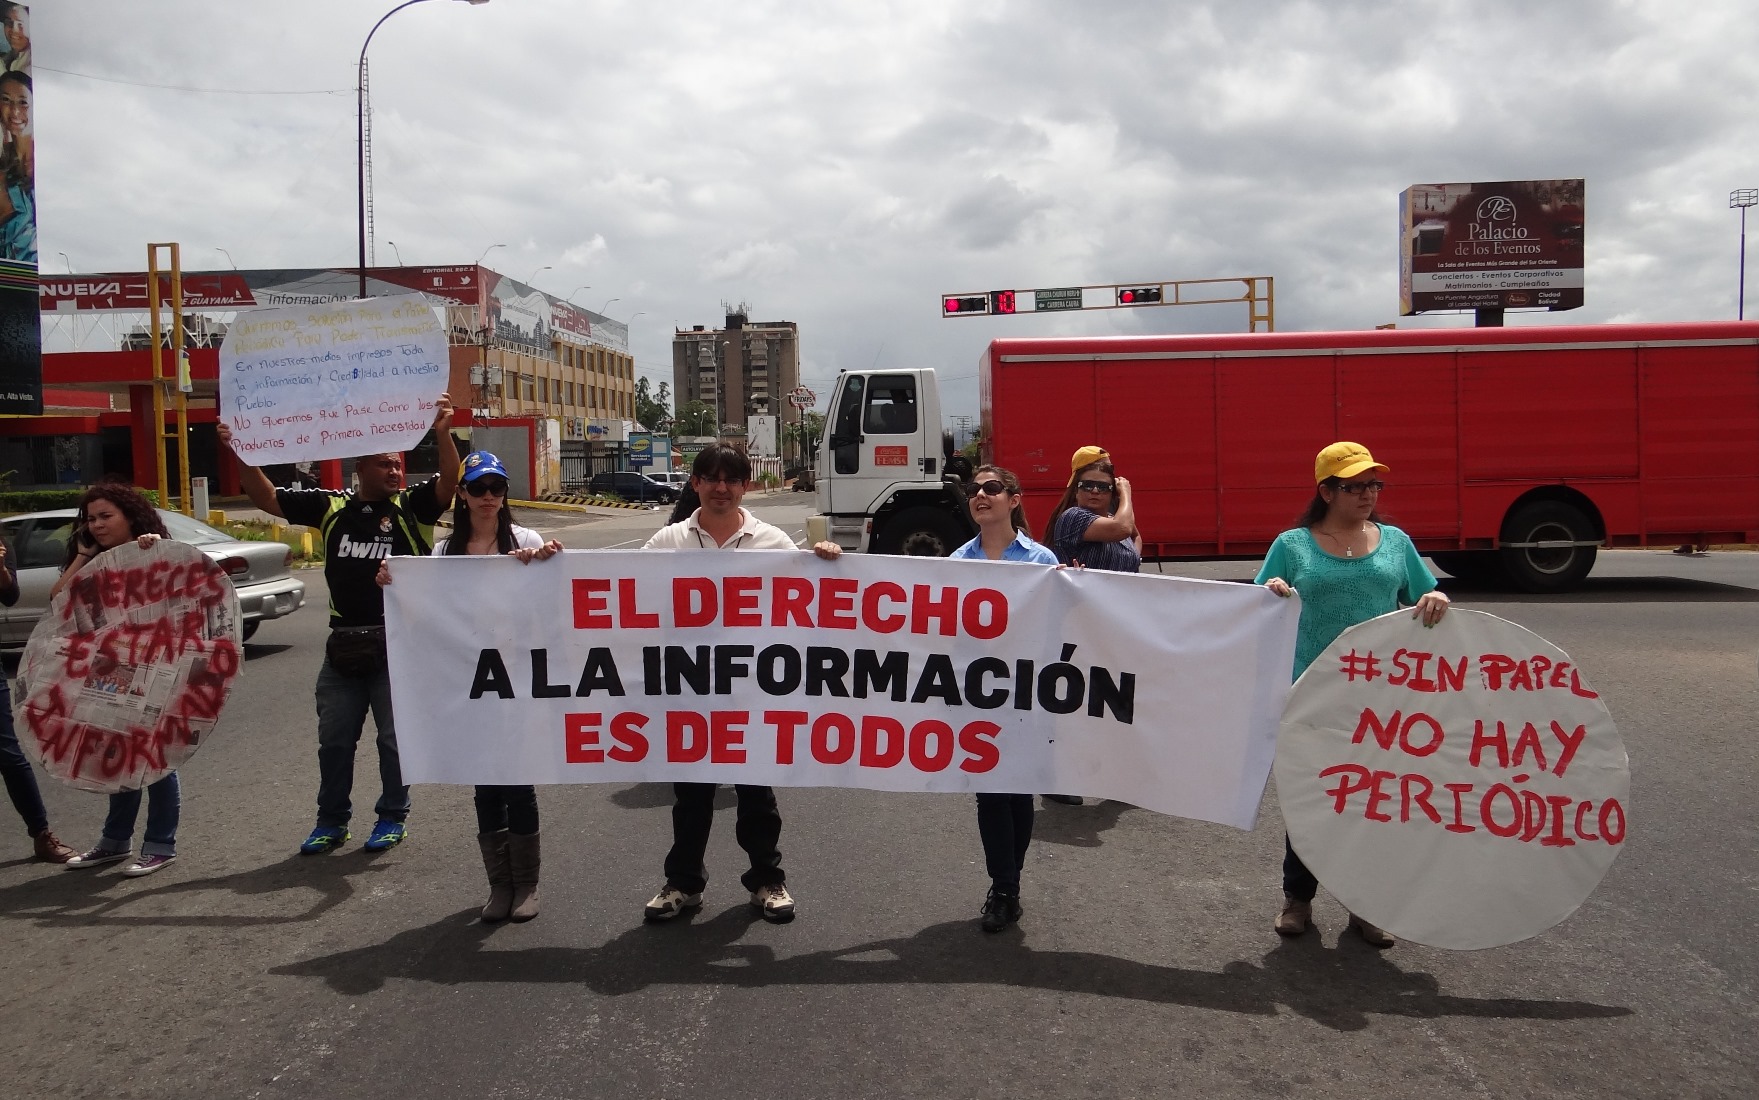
495 862
1372 934
49 848
524 856
1295 917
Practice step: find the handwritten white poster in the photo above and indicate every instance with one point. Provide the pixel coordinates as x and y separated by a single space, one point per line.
126 675
1462 786
299 383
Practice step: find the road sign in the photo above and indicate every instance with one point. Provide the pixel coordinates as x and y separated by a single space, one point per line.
801 398
1068 297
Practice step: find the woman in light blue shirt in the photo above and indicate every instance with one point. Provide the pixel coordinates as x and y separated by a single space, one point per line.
1004 821
1349 567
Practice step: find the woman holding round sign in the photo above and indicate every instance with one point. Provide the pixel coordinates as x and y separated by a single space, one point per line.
112 515
506 816
1349 567
1004 821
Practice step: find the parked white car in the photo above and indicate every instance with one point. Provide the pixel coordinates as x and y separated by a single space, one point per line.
677 479
36 543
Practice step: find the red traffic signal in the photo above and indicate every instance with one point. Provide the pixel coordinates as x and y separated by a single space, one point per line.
1138 295
963 306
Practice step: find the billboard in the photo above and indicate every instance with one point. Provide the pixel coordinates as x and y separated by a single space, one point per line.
1508 245
509 311
21 332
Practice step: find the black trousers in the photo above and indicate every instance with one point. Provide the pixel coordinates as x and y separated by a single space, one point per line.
510 808
759 830
1004 821
1298 881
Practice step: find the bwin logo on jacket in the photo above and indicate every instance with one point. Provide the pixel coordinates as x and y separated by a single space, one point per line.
348 548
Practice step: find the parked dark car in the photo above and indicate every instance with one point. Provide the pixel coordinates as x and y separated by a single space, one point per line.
631 485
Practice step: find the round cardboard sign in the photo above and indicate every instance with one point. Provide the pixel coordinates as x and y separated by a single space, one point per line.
126 675
1461 786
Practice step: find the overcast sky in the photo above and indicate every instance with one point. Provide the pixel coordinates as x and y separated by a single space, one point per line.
844 165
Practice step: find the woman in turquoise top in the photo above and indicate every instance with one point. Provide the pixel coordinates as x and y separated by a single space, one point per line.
1004 821
1349 567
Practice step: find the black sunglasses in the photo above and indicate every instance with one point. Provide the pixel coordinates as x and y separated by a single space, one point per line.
483 485
1354 487
991 488
1095 486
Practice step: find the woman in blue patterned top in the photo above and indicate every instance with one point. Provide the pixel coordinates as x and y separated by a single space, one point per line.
1004 821
1094 525
1349 567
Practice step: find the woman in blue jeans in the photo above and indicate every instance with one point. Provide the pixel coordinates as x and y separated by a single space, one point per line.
111 514
1004 821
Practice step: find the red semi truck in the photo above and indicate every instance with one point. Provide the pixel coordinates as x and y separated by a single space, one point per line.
1515 452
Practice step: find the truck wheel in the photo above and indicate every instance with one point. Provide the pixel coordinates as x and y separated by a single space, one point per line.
249 629
1553 568
921 533
1473 566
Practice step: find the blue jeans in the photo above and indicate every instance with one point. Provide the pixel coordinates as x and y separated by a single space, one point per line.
343 702
164 803
21 782
1004 822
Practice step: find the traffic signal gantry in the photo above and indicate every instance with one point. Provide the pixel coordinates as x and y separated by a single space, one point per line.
1257 291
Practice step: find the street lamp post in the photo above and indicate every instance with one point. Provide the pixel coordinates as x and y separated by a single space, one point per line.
1743 198
486 251
607 305
360 128
228 256
397 252
577 290
535 274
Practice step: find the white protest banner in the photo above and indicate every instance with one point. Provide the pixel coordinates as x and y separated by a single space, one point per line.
1461 786
897 674
299 383
126 674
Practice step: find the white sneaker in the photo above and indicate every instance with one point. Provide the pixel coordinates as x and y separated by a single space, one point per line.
670 902
774 902
146 865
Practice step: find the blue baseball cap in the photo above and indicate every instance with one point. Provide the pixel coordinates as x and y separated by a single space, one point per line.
478 463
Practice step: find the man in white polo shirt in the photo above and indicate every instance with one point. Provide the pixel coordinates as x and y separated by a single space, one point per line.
719 475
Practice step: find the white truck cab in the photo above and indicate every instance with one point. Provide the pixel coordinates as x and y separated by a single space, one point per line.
881 468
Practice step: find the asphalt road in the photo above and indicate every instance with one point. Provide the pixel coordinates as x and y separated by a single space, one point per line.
1145 966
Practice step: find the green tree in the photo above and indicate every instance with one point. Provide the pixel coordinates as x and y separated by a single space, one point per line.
807 432
696 418
653 408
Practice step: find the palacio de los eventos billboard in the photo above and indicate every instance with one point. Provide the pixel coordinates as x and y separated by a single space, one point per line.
1507 245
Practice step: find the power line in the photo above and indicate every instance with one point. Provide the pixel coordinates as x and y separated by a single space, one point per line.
187 88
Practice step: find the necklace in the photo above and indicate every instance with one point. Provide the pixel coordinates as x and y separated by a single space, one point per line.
1348 546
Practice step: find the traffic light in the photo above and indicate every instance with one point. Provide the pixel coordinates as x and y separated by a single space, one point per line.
970 305
1139 295
1001 301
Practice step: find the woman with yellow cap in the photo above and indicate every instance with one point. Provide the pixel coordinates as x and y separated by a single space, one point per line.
1094 524
1349 567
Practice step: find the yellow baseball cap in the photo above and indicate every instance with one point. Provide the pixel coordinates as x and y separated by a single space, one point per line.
1086 456
1344 460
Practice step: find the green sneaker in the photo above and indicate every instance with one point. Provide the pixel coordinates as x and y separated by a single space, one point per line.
323 839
